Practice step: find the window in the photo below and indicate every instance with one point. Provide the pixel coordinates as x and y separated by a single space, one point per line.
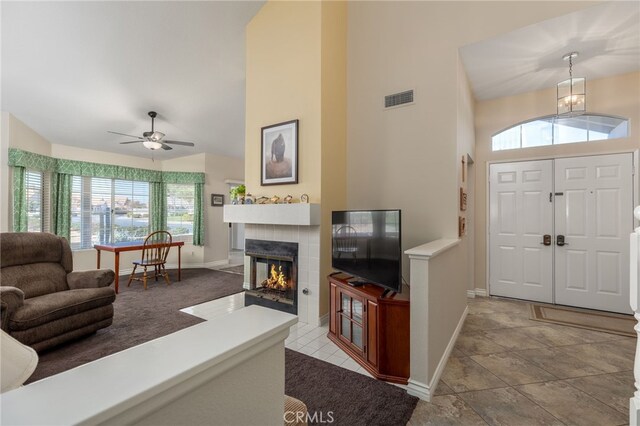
180 203
553 130
35 198
108 210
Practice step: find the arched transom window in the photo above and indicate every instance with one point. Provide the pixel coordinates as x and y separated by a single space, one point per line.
554 130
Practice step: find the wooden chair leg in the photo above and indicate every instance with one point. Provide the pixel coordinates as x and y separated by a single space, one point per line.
144 278
132 274
156 270
165 274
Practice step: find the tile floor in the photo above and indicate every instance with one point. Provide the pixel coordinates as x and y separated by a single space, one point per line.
508 370
504 370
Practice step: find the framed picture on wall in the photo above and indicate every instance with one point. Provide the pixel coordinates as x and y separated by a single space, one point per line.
217 200
279 154
463 200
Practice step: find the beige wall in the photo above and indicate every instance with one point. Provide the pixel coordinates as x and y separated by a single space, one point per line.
334 130
23 137
465 132
296 69
618 95
407 157
282 84
218 169
446 302
82 154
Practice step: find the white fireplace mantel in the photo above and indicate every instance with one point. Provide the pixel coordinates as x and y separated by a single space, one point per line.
300 214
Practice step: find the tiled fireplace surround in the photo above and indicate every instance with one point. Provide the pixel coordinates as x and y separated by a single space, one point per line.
308 239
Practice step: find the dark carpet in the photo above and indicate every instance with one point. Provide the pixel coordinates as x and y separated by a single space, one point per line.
238 269
352 398
140 316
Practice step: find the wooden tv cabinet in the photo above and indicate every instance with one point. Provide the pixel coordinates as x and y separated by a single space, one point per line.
370 328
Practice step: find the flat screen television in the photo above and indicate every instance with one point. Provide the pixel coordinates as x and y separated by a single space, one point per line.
367 245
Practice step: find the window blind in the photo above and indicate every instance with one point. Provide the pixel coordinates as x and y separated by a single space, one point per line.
34 189
104 211
180 209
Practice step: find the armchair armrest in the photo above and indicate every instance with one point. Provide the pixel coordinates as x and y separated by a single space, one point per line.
11 298
90 279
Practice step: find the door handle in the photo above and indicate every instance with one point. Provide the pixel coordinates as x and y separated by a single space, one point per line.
560 241
546 240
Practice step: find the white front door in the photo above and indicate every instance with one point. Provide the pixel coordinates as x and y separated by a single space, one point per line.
594 213
521 213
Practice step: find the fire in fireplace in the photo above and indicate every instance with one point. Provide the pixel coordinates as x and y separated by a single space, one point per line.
273 275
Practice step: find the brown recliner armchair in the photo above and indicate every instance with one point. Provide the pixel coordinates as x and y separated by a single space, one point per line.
42 302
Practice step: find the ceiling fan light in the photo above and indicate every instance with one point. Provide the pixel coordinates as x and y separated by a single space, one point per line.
152 145
156 136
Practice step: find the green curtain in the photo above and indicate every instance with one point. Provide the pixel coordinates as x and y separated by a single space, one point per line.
61 205
158 204
19 199
198 219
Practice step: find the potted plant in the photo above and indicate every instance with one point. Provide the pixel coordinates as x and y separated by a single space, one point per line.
237 194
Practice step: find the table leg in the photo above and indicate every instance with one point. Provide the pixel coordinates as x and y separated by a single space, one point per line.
117 267
179 263
98 259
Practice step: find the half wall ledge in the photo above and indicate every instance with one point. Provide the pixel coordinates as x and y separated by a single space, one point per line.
433 248
438 309
192 376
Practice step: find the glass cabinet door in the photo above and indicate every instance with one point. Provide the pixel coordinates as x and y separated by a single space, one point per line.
350 319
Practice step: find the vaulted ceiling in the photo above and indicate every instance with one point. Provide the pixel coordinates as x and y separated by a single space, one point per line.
73 70
607 37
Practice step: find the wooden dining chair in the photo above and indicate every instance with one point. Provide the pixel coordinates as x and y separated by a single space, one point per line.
154 253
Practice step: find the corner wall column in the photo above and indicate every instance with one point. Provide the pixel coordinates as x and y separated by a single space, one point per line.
634 295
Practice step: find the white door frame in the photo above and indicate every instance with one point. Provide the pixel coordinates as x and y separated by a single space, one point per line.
635 193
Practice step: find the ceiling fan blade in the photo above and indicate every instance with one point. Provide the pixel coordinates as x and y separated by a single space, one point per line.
124 134
166 147
124 143
179 143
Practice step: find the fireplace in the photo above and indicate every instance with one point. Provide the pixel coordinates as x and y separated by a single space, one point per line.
273 275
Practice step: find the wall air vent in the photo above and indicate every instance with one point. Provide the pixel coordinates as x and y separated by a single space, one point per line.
397 99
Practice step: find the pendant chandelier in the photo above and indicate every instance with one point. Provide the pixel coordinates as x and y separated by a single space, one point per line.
571 93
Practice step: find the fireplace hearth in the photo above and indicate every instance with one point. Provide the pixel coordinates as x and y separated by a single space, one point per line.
273 275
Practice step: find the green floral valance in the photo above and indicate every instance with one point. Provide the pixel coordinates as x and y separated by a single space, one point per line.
84 168
182 177
29 160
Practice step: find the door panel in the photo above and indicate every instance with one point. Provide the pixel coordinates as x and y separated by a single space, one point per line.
594 213
520 214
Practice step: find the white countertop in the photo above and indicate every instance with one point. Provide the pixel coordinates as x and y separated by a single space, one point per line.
433 248
110 385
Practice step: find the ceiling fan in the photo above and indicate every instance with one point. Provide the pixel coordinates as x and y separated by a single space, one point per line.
153 140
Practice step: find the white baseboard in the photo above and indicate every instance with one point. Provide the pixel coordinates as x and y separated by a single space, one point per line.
481 292
424 391
419 389
324 319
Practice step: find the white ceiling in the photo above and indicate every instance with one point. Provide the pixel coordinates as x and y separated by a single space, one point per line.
607 36
73 70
